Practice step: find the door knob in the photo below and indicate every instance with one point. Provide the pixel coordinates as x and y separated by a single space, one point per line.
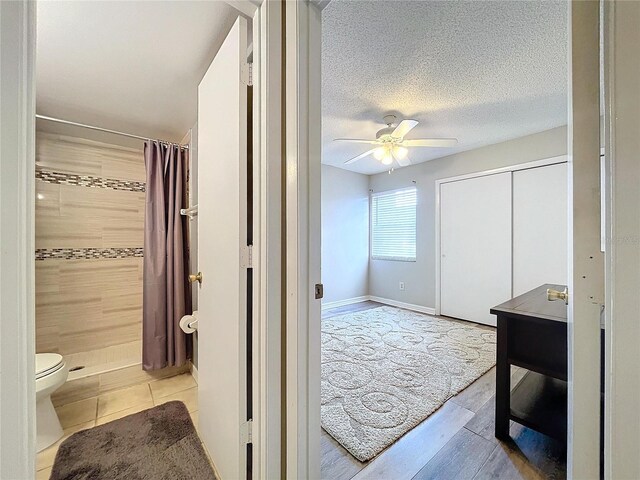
553 295
194 277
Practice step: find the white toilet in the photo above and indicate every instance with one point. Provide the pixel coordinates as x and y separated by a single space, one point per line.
51 373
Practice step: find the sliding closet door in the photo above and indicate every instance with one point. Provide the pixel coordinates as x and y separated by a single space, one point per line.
539 227
475 246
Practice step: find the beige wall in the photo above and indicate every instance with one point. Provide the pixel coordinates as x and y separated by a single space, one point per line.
419 276
85 304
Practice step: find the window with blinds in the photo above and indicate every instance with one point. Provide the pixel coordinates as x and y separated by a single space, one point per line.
393 225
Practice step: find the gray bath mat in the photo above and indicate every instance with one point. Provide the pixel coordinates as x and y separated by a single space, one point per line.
157 444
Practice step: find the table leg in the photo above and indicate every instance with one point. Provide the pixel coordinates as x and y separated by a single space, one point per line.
503 382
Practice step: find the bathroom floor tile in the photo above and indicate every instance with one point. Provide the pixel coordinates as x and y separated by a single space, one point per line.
76 428
43 474
128 376
123 413
188 397
195 418
168 386
77 412
204 447
76 390
119 400
45 458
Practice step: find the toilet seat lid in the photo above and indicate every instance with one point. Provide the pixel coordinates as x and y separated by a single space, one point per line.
47 363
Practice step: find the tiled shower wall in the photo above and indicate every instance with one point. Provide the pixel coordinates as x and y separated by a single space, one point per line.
89 244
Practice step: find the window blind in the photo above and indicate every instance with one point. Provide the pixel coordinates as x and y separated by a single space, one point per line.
393 225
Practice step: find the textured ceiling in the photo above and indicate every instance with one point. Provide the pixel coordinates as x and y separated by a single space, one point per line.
482 72
132 66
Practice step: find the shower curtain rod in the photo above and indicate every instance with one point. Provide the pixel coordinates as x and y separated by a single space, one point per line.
115 132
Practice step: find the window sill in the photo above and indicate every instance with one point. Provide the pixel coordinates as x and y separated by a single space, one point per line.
395 259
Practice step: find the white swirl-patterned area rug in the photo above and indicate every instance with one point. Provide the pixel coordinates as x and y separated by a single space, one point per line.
385 370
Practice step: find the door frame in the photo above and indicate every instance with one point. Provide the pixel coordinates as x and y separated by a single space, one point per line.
303 407
302 237
17 236
268 433
510 168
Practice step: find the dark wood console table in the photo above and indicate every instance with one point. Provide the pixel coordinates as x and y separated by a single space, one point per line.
532 334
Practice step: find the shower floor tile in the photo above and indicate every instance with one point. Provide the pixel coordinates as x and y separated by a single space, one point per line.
103 360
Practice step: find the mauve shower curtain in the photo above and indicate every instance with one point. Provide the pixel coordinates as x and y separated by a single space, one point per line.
166 295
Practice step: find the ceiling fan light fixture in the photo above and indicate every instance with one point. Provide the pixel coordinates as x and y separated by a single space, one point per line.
400 152
387 159
379 153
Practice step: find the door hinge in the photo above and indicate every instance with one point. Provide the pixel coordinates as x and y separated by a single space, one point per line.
246 432
246 256
247 74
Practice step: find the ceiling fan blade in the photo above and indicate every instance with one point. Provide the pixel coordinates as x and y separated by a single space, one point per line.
362 155
405 127
356 140
431 142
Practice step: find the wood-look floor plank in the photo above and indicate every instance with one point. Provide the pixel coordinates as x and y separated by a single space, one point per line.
405 458
336 463
460 458
476 395
529 456
483 422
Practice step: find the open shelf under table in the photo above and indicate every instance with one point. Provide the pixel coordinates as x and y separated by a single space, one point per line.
540 402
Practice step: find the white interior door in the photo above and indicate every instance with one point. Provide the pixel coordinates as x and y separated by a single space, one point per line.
475 246
222 239
539 227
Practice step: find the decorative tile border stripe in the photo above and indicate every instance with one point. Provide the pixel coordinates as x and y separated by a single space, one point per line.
89 181
87 253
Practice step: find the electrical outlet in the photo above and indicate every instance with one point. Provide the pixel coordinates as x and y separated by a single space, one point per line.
401 285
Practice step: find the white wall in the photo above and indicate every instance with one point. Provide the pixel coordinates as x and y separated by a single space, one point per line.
419 276
345 234
623 234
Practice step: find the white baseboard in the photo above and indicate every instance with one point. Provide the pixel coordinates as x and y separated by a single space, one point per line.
194 371
407 306
385 301
342 303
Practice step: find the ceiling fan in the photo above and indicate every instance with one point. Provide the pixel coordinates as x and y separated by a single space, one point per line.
391 144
